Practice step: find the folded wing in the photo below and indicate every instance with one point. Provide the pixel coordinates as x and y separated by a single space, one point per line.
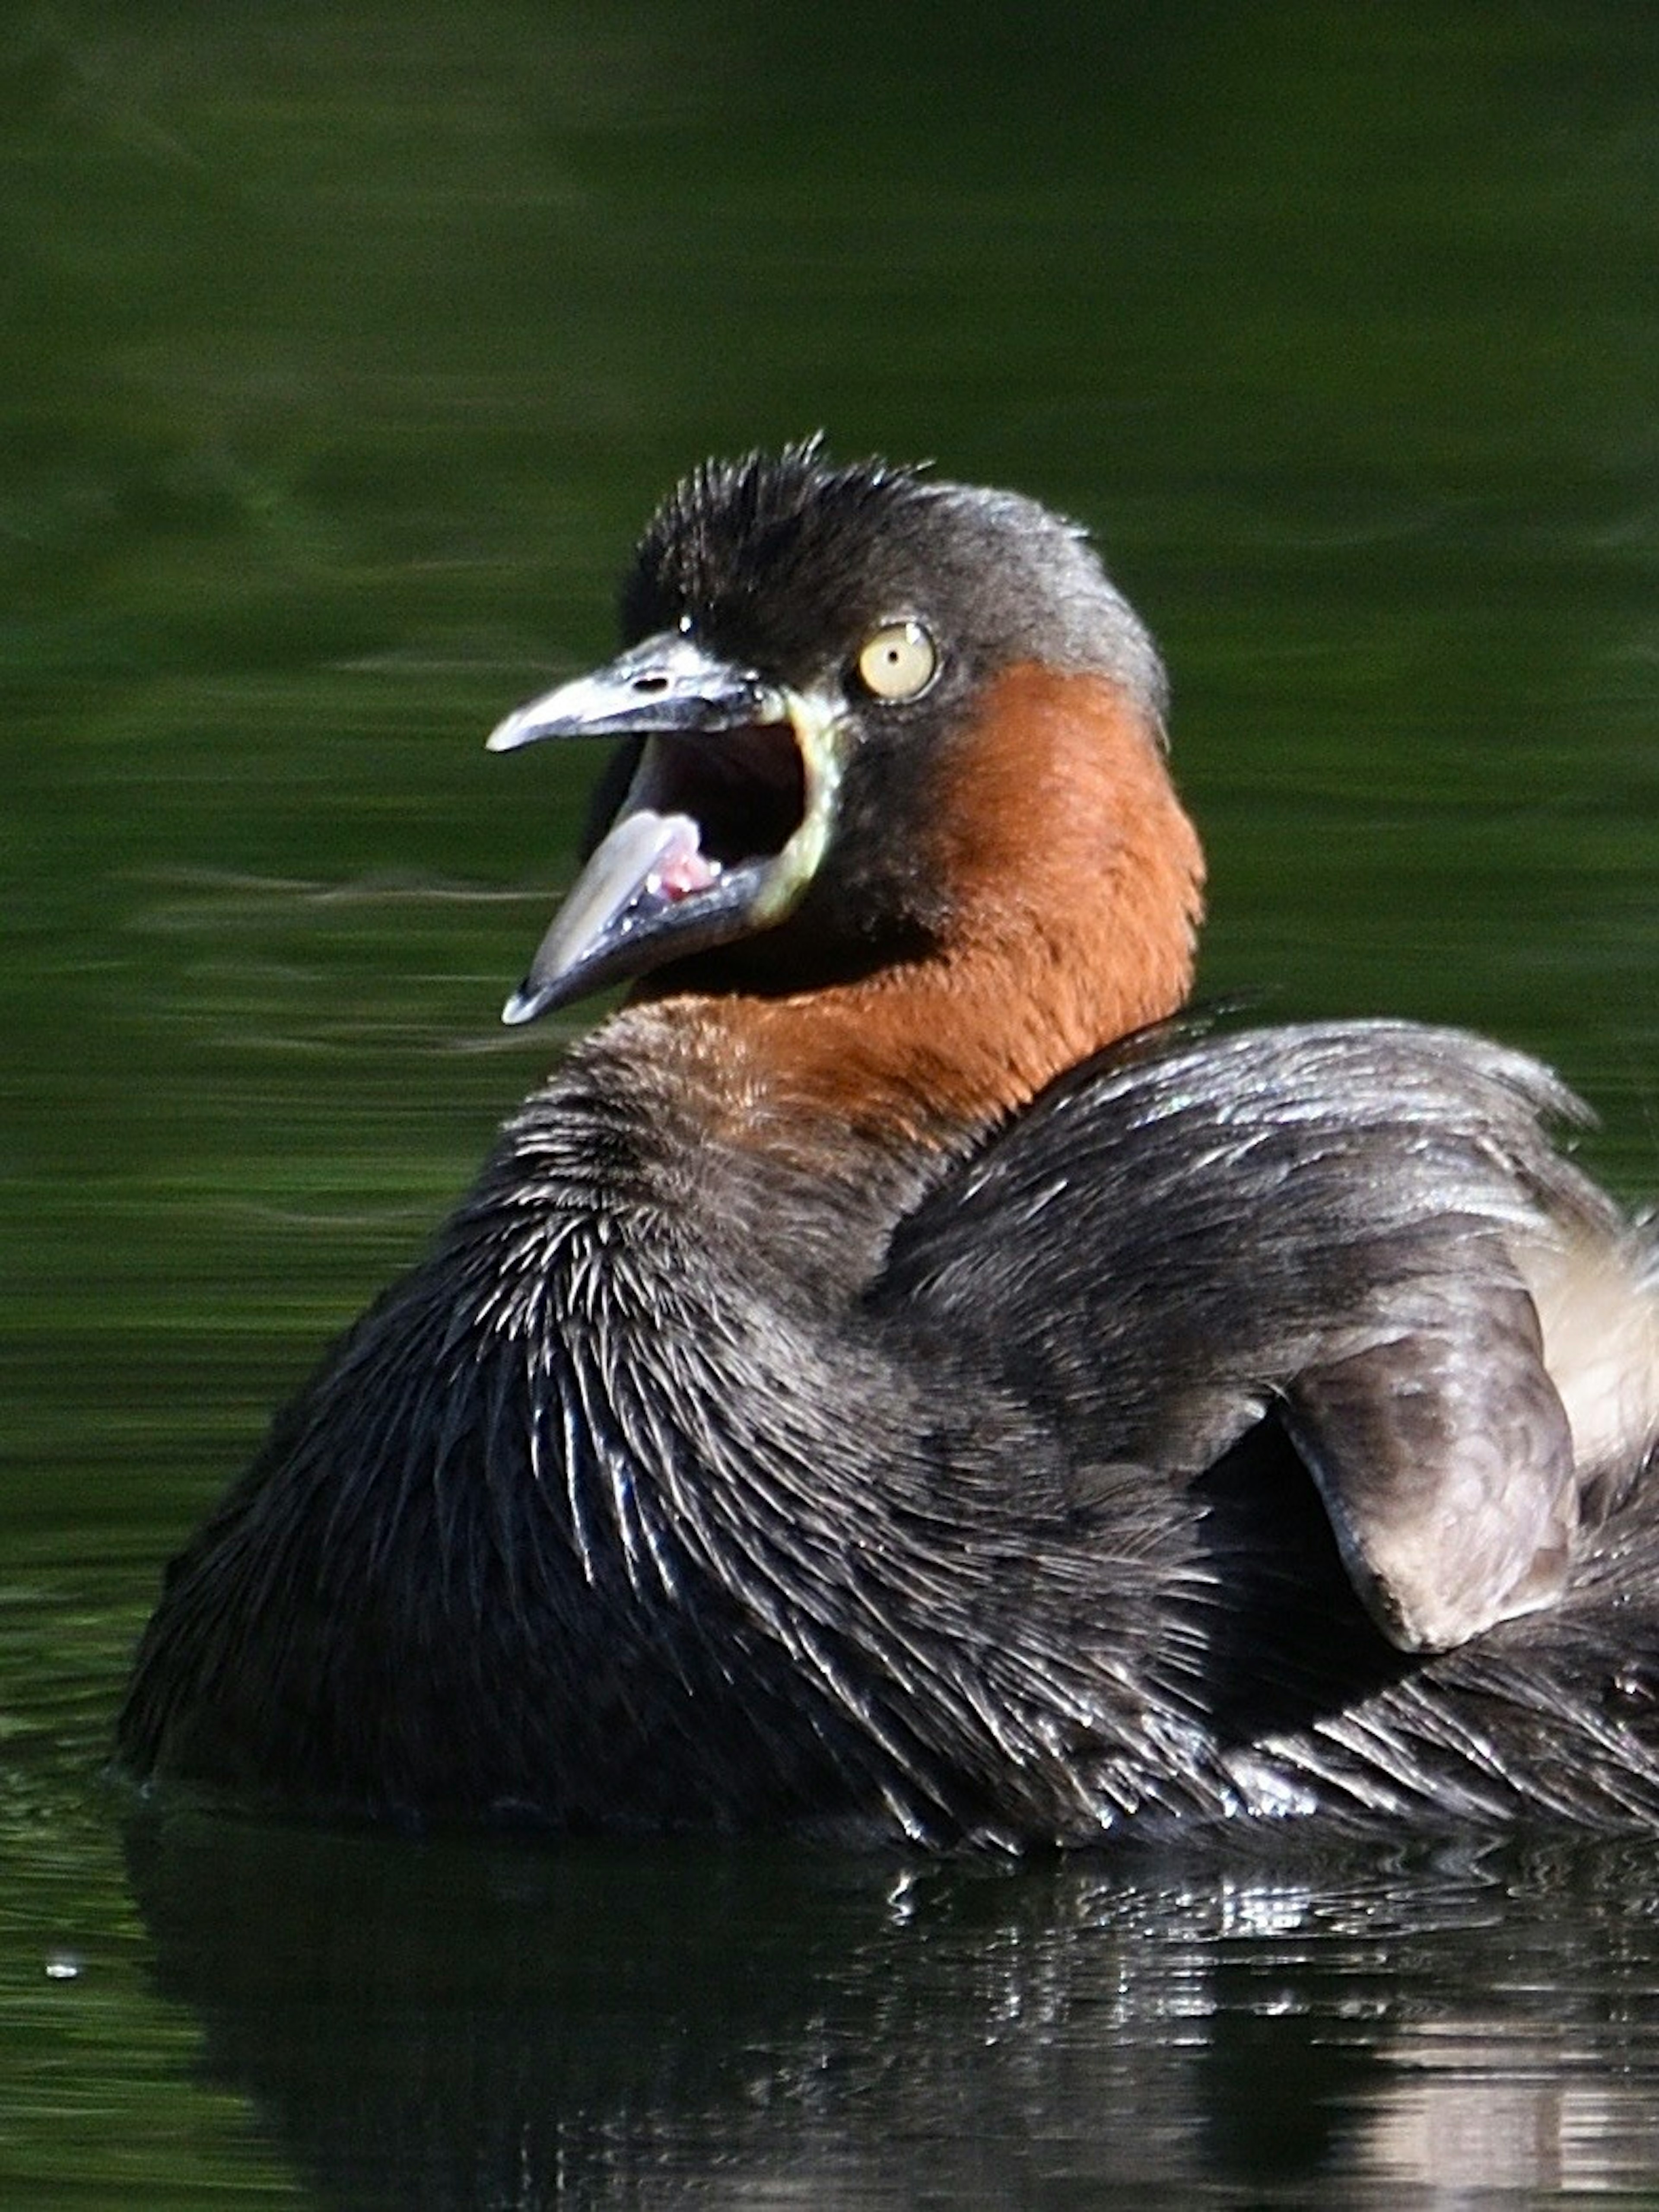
1335 1226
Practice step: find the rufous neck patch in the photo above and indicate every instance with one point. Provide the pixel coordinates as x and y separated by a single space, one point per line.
1073 882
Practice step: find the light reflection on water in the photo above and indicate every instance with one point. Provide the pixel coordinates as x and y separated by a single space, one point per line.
608 2023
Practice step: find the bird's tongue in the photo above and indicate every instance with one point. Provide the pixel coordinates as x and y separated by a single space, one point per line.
681 866
647 862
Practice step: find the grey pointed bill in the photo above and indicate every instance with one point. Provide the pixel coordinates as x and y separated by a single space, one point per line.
723 826
666 684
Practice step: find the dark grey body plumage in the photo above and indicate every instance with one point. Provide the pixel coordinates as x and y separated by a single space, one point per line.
682 1490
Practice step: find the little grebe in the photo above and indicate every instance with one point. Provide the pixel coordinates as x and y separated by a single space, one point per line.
893 1379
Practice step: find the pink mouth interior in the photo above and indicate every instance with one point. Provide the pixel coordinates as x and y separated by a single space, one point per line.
684 867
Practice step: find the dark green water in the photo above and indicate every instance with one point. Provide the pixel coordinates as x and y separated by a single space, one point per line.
341 352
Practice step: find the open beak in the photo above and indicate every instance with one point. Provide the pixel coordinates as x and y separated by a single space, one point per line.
722 828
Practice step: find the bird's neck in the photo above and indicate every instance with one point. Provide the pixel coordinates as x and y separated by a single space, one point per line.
1075 893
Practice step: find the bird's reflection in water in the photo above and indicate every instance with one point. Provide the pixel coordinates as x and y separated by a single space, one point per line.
466 2023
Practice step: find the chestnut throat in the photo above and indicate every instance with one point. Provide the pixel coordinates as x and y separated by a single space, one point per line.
1072 885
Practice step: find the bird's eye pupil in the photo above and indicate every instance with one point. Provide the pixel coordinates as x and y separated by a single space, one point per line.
899 662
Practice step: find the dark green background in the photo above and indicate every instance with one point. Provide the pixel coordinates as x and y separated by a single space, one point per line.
342 350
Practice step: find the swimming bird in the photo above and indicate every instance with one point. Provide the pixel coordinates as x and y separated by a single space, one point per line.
899 1377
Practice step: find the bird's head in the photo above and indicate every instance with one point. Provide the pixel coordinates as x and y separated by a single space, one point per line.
868 725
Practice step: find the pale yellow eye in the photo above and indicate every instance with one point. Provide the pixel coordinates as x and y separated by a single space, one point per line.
898 661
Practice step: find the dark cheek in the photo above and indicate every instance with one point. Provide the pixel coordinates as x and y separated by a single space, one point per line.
881 880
